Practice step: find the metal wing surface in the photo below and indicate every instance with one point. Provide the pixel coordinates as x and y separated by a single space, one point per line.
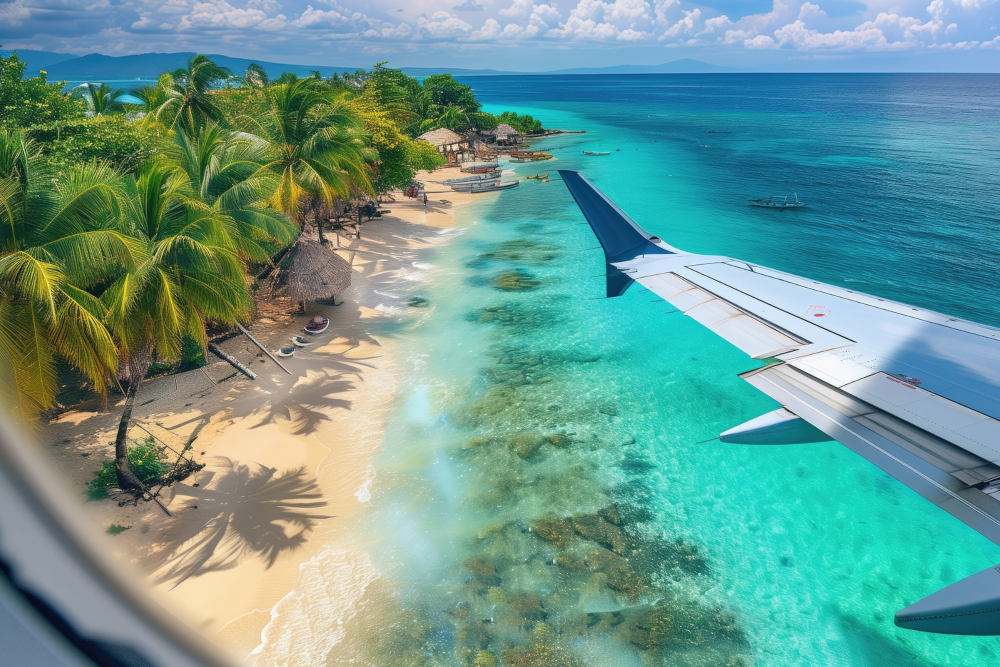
913 391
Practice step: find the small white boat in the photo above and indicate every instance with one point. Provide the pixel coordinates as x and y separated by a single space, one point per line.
299 341
777 202
488 187
317 325
475 178
286 351
597 152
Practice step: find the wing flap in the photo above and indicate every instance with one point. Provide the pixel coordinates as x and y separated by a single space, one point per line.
750 334
927 464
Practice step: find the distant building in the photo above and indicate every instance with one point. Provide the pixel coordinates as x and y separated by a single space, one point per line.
504 134
449 143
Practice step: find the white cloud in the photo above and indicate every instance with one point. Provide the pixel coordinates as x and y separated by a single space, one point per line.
519 8
442 25
716 24
317 18
809 11
685 26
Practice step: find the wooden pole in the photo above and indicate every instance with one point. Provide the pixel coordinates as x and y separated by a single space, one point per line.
262 348
235 364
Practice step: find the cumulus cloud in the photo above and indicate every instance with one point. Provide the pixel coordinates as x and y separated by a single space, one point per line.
384 26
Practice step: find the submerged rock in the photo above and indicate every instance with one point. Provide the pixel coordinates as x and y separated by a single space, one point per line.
595 528
515 281
418 302
484 659
611 514
522 251
560 440
525 445
652 630
559 532
516 319
539 654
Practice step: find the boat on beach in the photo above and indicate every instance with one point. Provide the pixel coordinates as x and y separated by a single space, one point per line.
777 202
479 167
486 187
597 152
475 178
317 325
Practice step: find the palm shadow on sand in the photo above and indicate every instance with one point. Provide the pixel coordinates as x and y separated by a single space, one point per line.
242 512
304 404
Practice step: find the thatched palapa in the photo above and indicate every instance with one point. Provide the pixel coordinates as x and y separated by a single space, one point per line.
504 132
310 271
441 137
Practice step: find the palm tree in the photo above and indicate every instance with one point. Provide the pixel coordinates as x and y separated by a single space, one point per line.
224 173
153 96
59 240
189 102
316 146
101 99
453 117
189 273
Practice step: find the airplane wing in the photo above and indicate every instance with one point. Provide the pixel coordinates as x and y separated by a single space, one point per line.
915 392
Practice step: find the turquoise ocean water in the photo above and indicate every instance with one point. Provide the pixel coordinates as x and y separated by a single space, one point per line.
545 495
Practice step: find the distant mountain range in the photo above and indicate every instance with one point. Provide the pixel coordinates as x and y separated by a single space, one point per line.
96 67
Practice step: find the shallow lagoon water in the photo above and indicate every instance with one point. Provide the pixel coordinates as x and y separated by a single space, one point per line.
529 413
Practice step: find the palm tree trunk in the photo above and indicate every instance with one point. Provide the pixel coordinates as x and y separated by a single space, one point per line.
127 480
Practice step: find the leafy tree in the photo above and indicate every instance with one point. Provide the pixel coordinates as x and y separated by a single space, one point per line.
524 123
33 100
317 148
111 138
59 239
446 92
224 173
188 102
101 99
188 271
154 96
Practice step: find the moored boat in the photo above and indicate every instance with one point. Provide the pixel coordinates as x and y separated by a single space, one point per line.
597 152
479 167
475 178
317 325
777 202
529 156
488 187
539 177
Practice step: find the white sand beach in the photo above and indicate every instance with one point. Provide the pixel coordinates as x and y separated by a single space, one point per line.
287 456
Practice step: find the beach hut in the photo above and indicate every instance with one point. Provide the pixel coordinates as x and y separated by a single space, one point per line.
449 143
505 134
309 271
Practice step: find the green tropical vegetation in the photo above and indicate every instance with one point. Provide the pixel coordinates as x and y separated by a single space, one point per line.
128 231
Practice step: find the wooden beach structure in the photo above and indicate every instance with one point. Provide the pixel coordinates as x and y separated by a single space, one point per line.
503 135
450 144
309 271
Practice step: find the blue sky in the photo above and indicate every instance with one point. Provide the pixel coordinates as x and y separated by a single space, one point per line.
528 35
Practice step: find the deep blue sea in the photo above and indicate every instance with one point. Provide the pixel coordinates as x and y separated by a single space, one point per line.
552 492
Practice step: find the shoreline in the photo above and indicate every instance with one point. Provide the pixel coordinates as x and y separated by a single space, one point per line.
288 458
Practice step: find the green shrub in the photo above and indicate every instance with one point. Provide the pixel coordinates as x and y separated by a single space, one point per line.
116 529
524 124
122 143
33 100
143 458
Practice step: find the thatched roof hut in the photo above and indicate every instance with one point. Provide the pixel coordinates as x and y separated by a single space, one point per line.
441 137
309 271
504 132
